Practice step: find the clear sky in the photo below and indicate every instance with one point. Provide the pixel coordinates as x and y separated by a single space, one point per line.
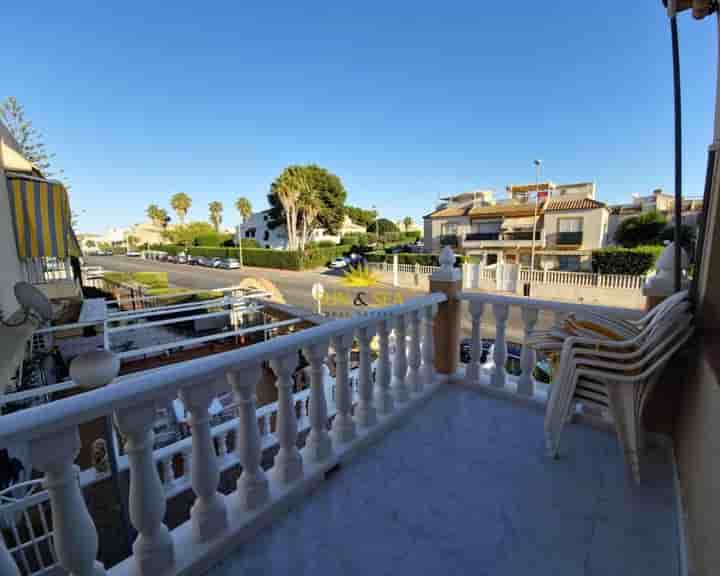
405 101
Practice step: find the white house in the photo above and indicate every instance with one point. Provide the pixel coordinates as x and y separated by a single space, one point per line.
257 228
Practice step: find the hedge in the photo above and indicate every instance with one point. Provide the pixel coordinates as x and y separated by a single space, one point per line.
151 279
407 258
267 258
636 261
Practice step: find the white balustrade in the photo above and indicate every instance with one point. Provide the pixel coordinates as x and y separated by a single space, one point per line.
318 446
476 312
399 367
365 413
287 467
208 514
427 367
527 356
252 486
343 428
500 311
414 377
384 401
75 539
153 548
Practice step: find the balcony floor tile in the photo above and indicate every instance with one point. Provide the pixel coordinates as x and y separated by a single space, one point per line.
465 488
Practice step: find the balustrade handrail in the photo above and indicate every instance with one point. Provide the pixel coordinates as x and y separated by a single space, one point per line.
158 384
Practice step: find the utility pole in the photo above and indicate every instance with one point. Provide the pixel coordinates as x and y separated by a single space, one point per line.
538 165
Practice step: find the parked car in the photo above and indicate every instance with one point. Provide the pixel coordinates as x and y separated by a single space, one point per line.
133 254
182 258
104 253
338 262
201 261
215 262
229 264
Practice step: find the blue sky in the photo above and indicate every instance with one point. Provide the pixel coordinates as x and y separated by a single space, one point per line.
405 101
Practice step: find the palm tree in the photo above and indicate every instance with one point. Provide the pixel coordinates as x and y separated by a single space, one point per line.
244 207
181 203
216 209
153 212
309 208
407 222
288 188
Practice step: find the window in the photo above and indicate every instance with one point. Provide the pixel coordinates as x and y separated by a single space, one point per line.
448 229
266 236
250 233
570 225
569 263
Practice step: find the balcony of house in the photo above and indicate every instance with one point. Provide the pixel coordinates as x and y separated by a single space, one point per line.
421 466
565 239
503 239
451 240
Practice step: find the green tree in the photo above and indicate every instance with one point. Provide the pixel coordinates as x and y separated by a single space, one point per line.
243 206
384 225
181 203
309 207
157 215
640 230
360 215
30 140
132 240
185 234
215 216
326 186
688 237
90 243
407 222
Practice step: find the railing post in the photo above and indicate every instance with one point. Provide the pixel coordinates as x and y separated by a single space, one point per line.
427 367
446 335
383 398
76 540
252 486
153 548
7 564
343 428
396 281
527 356
476 312
365 414
208 514
288 462
399 368
318 445
415 379
500 311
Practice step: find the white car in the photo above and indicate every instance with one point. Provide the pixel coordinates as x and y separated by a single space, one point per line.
229 264
339 262
133 254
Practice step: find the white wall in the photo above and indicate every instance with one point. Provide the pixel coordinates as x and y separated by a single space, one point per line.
10 269
594 225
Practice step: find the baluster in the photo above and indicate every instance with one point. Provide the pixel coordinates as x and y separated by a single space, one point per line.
167 471
501 315
427 367
208 514
252 486
526 385
399 384
75 538
414 377
7 564
318 445
222 445
383 398
186 456
343 428
267 423
288 462
365 413
153 548
476 311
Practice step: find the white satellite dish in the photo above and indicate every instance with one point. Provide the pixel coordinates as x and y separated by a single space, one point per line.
33 300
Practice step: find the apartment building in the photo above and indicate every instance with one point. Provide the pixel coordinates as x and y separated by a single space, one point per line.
567 222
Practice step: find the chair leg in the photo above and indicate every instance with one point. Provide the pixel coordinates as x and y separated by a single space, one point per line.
622 405
556 414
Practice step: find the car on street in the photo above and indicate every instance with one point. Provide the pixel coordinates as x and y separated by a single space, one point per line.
338 263
229 264
201 261
133 254
182 258
215 262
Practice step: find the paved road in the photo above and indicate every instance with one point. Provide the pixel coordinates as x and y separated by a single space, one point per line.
296 289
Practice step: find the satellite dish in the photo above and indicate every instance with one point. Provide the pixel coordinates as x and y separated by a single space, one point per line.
33 300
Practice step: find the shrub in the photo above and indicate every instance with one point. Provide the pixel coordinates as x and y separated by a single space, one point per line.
636 261
355 239
641 230
151 279
408 258
325 244
213 239
359 276
118 277
413 235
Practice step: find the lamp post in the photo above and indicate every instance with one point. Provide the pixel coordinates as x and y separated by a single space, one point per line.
238 239
377 225
538 167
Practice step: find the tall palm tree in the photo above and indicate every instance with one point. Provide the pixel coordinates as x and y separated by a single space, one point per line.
309 208
288 189
407 222
181 203
216 209
244 207
153 212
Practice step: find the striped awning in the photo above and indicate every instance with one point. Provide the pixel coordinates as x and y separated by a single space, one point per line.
41 217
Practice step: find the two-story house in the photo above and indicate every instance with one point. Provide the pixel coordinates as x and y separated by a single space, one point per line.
568 224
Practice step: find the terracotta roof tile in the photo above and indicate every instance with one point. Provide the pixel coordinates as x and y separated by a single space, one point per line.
558 204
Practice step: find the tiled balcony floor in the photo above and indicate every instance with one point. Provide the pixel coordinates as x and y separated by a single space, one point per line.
465 488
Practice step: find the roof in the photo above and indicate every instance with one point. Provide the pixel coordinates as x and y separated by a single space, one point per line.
559 204
449 211
503 210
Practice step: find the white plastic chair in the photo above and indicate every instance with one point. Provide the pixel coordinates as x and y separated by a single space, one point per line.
616 376
25 517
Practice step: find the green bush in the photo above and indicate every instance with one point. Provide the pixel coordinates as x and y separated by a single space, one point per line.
355 239
212 239
406 258
151 279
267 258
324 244
413 235
636 261
118 277
644 229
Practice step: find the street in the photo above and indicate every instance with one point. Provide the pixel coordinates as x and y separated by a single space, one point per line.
296 289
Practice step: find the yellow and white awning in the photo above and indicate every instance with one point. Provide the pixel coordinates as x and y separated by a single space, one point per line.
41 217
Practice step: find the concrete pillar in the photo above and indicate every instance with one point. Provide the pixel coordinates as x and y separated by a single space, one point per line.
447 280
396 280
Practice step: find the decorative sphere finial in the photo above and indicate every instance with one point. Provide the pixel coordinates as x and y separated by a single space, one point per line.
94 369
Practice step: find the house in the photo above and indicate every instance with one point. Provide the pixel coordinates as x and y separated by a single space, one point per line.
256 228
568 225
656 201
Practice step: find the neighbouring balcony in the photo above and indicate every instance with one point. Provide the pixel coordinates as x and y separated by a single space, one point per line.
481 236
449 240
419 470
566 239
502 239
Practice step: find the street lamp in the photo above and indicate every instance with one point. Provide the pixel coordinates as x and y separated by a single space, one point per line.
538 168
377 225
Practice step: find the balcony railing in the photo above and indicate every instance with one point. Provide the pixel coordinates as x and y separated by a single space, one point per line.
522 235
449 240
217 521
567 239
482 236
